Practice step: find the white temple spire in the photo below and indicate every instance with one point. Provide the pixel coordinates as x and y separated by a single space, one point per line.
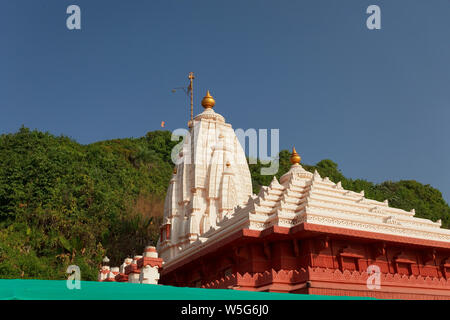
212 180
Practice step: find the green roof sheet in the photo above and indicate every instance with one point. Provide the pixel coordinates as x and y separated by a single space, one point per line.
89 290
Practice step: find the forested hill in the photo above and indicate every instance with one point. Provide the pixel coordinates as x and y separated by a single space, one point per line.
64 203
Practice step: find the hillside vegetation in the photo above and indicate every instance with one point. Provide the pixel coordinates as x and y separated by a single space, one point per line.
64 203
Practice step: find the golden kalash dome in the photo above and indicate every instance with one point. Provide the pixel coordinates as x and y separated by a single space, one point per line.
208 101
295 158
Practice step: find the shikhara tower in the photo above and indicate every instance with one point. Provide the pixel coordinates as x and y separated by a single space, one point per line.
210 180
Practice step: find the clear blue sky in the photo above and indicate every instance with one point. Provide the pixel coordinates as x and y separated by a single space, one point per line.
376 102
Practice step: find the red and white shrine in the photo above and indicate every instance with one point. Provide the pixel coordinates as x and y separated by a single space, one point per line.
302 234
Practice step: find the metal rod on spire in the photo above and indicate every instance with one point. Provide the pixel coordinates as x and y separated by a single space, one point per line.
191 91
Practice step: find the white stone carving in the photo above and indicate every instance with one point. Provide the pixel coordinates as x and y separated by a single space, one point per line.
149 275
208 185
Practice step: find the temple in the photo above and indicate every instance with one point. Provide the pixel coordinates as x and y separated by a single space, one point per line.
301 234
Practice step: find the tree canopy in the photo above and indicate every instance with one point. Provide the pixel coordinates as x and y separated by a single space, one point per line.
64 203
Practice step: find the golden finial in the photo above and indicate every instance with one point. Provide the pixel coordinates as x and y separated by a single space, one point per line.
208 101
175 170
295 158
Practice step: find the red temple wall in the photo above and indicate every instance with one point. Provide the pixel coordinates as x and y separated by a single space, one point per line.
320 265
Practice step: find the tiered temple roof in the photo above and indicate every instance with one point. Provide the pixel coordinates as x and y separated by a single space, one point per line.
300 197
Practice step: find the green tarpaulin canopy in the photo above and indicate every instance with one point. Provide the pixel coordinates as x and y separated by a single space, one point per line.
58 290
